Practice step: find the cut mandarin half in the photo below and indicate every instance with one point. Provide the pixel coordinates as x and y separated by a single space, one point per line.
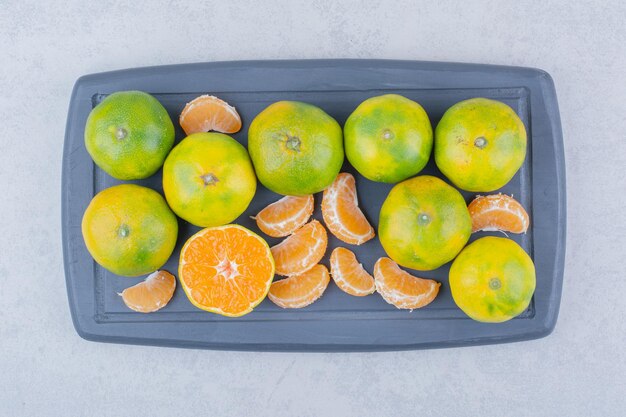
151 294
349 274
498 212
300 290
341 212
285 216
302 250
206 113
226 270
402 289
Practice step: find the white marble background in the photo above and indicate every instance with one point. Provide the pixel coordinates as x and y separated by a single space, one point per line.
46 369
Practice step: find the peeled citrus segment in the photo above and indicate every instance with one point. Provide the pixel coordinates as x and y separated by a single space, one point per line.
402 289
302 250
498 212
285 216
226 270
300 290
206 113
341 212
151 294
349 274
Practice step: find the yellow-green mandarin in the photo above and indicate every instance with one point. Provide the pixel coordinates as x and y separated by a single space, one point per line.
480 144
129 134
424 223
492 280
296 148
129 230
388 138
208 179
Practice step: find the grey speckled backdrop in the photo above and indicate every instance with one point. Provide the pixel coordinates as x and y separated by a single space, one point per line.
46 369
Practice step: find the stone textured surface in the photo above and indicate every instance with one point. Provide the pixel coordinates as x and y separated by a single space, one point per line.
46 369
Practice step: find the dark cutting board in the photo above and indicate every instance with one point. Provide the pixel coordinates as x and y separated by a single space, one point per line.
337 322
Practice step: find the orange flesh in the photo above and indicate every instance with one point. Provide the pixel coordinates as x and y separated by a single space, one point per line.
152 294
285 216
498 212
206 113
302 250
300 290
402 289
341 212
349 274
226 270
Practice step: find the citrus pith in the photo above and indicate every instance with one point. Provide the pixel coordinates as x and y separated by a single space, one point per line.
341 212
206 113
302 250
498 212
401 289
285 216
349 274
151 294
300 290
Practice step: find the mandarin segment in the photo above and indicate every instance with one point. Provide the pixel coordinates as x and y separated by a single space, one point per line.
401 289
206 113
152 294
349 274
300 290
226 270
341 212
285 216
498 212
302 250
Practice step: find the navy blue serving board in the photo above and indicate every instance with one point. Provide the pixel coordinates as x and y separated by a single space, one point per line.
336 322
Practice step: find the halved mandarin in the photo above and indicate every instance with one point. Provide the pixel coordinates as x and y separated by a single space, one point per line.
349 274
302 250
300 290
206 113
402 289
226 270
285 216
151 294
341 212
498 212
